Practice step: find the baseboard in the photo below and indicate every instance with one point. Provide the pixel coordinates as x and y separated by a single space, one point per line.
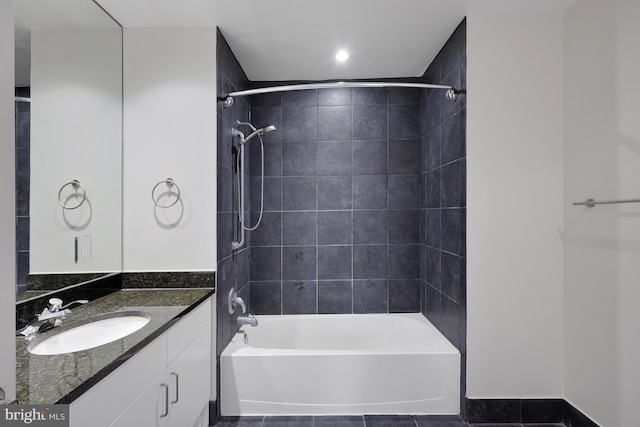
574 418
213 412
525 411
536 411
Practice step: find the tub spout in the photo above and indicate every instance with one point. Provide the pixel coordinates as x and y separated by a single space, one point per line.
247 320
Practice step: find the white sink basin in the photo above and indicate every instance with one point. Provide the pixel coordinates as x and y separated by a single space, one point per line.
91 333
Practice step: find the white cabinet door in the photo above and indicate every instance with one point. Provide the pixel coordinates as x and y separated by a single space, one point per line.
103 403
151 407
189 378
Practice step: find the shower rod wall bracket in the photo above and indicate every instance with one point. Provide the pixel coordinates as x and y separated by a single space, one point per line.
227 101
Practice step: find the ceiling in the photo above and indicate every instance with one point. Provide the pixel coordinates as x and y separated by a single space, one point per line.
297 39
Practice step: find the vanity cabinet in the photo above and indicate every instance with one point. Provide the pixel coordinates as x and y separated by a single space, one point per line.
165 384
177 396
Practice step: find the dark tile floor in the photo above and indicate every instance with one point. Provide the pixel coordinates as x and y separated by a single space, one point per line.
362 421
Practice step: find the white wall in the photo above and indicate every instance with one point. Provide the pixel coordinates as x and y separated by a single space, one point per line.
602 245
76 133
514 200
7 207
170 131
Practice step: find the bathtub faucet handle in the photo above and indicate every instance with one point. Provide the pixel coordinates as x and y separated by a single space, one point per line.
239 301
234 300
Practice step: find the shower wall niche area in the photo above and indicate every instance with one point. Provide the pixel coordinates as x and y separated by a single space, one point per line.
364 198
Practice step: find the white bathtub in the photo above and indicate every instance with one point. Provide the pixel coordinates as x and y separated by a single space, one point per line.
340 365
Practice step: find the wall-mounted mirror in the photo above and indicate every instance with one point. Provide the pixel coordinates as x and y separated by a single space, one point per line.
68 143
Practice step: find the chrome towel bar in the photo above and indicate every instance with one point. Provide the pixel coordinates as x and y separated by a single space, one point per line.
591 203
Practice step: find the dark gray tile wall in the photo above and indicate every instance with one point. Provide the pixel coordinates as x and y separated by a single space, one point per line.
22 146
443 202
341 231
233 266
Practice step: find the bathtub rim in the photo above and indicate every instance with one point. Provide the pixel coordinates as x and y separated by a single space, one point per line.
237 346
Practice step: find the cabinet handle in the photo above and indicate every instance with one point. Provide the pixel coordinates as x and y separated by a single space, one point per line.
177 388
4 401
166 400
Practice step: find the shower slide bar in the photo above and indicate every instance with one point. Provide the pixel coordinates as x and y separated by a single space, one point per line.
240 176
237 244
591 203
227 101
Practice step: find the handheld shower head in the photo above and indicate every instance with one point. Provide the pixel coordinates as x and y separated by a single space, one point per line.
260 131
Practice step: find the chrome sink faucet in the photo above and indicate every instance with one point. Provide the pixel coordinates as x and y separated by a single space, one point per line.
55 309
50 317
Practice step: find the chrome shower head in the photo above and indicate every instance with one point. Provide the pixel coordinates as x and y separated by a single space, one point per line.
260 131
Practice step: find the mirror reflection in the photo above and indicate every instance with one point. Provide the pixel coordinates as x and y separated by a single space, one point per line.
68 143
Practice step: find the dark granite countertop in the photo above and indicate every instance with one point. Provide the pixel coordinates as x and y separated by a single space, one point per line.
29 294
63 378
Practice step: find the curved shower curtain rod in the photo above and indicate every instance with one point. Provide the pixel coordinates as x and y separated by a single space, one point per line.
227 100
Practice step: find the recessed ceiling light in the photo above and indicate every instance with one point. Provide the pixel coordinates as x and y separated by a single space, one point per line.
342 55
